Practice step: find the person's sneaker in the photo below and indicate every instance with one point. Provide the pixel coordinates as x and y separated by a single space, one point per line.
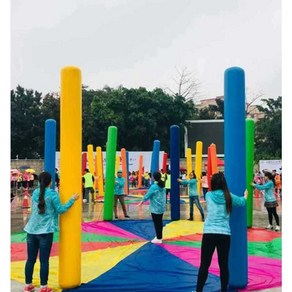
155 240
277 228
270 227
46 289
191 219
84 201
127 216
29 288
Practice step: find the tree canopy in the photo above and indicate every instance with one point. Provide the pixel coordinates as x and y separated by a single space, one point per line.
141 117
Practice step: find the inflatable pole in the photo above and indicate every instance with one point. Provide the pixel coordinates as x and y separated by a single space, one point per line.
90 158
189 161
111 147
198 164
96 170
164 162
118 160
213 154
128 171
235 170
50 149
209 168
140 171
124 169
84 161
174 166
99 173
70 165
249 168
155 157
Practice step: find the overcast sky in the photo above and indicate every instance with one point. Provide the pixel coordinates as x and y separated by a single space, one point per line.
143 42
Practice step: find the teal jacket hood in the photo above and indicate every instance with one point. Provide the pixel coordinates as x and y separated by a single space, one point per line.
218 197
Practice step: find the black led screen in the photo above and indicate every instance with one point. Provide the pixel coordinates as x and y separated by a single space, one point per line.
207 131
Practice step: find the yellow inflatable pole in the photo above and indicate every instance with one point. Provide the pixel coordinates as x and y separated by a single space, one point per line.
90 163
189 161
95 170
118 160
198 164
124 169
99 173
70 168
90 158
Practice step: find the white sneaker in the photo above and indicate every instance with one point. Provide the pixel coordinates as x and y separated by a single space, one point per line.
278 228
84 201
155 240
270 227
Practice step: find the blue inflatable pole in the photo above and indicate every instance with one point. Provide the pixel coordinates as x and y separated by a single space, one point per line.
155 157
50 149
174 169
235 171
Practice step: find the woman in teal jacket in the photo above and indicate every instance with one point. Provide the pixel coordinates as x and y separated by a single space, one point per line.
40 228
157 196
216 233
193 195
120 194
271 203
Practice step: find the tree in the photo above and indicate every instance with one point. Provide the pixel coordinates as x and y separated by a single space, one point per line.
27 128
141 116
268 131
186 85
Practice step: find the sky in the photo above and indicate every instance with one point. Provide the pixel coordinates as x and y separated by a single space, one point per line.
146 43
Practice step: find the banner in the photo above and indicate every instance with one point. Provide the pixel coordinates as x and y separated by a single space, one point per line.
270 165
133 160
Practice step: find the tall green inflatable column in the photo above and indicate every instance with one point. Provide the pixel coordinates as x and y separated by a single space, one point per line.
249 127
111 147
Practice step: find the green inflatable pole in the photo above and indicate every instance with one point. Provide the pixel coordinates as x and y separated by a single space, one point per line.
111 147
249 126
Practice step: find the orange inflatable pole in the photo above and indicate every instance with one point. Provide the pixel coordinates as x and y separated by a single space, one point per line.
209 168
213 158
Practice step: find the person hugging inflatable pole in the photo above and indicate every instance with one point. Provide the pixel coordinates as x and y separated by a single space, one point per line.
235 170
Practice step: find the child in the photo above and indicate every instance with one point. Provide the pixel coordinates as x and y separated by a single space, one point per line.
270 200
156 195
193 195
